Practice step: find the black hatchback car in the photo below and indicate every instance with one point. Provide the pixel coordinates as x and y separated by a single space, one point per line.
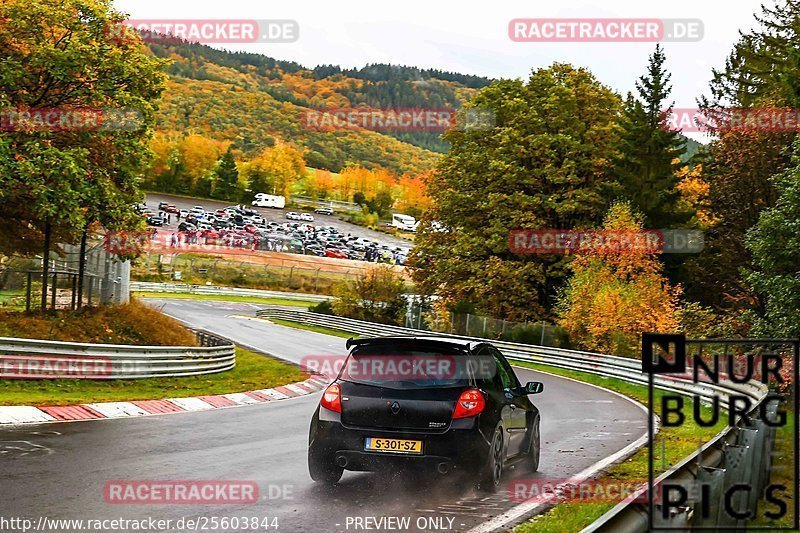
435 403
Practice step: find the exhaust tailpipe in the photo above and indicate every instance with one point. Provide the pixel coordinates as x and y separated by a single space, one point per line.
341 461
443 468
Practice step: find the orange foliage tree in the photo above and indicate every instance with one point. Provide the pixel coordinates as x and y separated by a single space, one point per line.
412 198
613 297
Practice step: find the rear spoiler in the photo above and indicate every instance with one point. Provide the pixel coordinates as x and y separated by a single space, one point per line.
352 341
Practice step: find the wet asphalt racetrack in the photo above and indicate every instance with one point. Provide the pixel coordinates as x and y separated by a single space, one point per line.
60 470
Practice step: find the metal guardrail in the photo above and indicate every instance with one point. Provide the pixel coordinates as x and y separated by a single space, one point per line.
592 363
334 204
184 288
44 359
736 454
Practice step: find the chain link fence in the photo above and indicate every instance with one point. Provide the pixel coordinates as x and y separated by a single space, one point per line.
212 271
106 280
470 325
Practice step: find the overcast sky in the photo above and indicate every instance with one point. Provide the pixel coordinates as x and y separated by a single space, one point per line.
472 37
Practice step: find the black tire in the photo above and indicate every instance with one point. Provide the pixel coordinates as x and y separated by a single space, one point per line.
534 451
492 470
323 471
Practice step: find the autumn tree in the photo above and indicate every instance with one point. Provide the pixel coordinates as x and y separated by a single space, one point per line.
184 164
694 192
738 171
274 170
61 55
613 296
376 296
761 72
546 164
412 198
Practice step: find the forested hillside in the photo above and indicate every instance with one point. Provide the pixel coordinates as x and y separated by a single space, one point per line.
270 97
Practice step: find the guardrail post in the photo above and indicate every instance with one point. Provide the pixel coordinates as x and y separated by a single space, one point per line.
714 478
53 295
736 457
753 439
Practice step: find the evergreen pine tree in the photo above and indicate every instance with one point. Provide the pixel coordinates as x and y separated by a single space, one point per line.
227 183
648 148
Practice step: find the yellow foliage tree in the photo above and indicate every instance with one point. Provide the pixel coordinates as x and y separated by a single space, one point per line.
694 191
613 297
200 155
274 170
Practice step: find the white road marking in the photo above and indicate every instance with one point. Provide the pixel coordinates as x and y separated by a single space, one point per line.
191 404
23 414
117 409
272 393
240 398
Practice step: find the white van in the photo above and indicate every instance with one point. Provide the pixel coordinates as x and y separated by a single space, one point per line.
269 200
404 222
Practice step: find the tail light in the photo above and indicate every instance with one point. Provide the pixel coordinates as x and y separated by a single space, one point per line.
470 403
332 398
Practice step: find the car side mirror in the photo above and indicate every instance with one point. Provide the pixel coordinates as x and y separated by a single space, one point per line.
533 387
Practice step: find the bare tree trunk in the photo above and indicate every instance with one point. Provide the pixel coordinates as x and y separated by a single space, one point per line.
82 266
45 263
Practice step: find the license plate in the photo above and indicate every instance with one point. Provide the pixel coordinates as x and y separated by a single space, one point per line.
393 445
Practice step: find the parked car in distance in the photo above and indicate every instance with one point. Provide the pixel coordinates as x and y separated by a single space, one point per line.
307 217
335 252
324 211
291 215
268 200
154 220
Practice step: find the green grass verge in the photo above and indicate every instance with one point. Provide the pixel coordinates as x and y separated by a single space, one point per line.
226 298
252 371
14 300
678 443
782 473
315 329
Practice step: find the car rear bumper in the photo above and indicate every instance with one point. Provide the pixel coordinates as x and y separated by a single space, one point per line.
458 447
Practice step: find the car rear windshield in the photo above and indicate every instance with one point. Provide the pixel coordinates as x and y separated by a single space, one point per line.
407 367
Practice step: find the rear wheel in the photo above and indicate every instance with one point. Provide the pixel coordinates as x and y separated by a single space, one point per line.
493 469
535 448
323 471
